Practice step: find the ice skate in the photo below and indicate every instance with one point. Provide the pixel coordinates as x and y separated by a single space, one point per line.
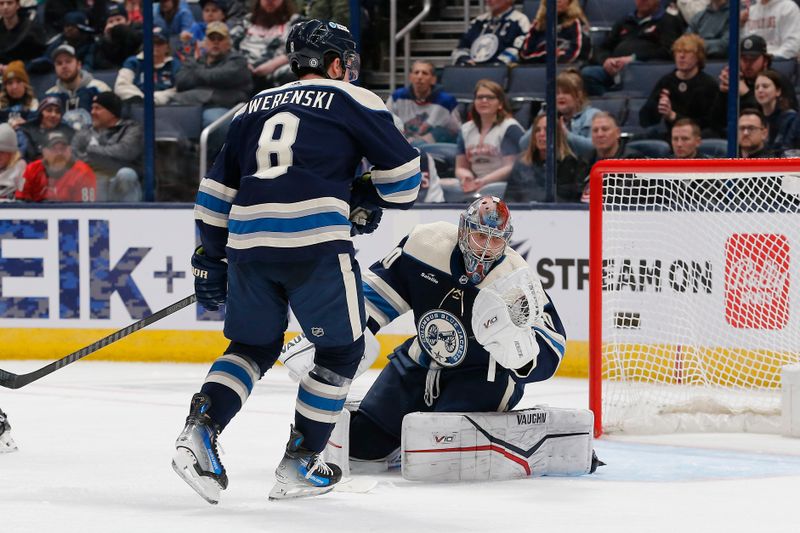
196 459
7 444
302 473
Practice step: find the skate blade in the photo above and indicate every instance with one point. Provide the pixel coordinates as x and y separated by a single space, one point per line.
184 465
284 491
7 444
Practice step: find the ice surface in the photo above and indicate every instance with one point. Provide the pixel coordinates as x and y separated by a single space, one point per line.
96 440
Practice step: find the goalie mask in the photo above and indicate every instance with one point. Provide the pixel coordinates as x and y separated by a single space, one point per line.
310 41
484 230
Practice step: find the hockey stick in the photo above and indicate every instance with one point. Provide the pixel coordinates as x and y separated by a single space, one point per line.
14 381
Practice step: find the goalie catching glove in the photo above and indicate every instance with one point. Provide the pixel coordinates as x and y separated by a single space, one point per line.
210 280
503 317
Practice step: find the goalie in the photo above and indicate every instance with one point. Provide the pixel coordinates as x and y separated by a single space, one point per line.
484 329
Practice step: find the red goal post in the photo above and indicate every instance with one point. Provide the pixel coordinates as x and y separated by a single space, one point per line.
694 305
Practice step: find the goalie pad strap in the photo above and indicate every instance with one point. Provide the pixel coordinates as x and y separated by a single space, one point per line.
483 446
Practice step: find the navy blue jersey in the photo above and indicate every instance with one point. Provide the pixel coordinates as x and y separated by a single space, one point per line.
425 275
279 189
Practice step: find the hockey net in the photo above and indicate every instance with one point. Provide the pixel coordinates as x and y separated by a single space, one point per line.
694 300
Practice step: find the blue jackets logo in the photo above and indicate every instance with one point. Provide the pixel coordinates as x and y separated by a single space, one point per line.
444 338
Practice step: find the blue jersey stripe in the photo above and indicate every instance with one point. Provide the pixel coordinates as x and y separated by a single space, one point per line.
234 370
554 343
213 203
378 301
318 402
404 185
288 225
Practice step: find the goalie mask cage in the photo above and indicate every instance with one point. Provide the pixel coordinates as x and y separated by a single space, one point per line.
694 300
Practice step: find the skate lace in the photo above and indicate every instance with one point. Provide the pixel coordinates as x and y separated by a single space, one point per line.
318 465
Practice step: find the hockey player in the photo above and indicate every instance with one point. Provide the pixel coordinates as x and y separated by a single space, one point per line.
273 215
7 443
475 349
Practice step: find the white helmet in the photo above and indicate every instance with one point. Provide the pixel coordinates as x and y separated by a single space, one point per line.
484 230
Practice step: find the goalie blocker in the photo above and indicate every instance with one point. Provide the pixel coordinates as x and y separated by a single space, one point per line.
542 441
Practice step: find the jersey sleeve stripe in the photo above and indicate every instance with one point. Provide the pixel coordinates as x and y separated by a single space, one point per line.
287 225
400 197
554 340
384 292
374 313
215 188
378 307
315 205
213 203
275 240
212 218
395 174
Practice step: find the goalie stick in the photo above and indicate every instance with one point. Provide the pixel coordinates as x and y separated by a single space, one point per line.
14 381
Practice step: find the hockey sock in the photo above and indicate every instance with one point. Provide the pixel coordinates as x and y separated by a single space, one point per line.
232 376
320 399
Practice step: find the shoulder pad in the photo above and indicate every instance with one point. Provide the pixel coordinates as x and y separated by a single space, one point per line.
432 244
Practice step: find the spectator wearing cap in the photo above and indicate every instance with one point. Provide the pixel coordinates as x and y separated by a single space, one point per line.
56 10
778 22
686 92
17 100
119 41
172 16
21 37
58 176
218 80
262 40
753 60
213 11
12 166
130 79
646 34
47 120
78 34
113 148
75 86
711 24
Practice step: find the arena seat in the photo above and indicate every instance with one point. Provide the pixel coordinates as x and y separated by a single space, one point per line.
527 83
631 123
106 76
713 147
604 13
639 78
42 82
174 122
651 147
460 81
618 107
444 156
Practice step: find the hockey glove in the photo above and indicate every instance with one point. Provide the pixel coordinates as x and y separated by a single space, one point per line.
210 280
364 220
365 214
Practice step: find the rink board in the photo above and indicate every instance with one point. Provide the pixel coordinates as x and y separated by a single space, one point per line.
70 276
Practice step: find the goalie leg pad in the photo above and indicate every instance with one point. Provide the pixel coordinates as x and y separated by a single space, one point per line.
542 441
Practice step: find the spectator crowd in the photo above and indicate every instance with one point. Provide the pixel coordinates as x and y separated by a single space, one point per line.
77 139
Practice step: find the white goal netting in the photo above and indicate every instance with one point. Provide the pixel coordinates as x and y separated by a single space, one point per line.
700 304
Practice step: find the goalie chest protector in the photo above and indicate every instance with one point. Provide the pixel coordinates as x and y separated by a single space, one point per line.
430 278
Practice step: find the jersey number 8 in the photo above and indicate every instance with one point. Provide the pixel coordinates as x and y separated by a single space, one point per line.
274 155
